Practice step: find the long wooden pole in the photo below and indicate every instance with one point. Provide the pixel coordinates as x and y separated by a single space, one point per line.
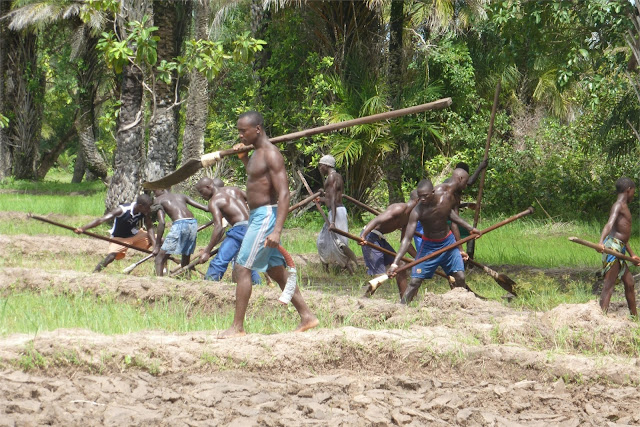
303 202
375 282
94 235
306 185
435 105
88 233
381 249
476 216
605 250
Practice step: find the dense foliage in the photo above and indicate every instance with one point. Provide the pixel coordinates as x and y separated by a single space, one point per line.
568 109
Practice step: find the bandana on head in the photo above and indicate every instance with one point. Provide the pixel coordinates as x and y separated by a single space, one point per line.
328 160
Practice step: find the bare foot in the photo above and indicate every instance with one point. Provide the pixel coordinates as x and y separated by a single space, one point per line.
305 325
231 333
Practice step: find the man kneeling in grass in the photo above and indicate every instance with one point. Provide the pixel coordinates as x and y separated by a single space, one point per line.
615 235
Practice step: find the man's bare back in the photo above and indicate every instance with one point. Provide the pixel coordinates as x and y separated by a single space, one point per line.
232 204
175 204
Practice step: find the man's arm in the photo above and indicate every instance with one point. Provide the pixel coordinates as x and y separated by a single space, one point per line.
216 235
148 223
406 241
372 225
195 204
455 218
330 196
96 222
472 179
244 157
160 232
278 174
613 217
412 251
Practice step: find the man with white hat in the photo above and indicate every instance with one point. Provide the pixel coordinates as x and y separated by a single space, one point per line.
334 248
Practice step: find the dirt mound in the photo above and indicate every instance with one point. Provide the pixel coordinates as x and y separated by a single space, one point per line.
44 244
344 376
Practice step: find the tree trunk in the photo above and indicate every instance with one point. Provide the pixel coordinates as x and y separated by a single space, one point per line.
394 160
24 135
198 97
79 168
162 153
5 151
50 157
85 120
129 156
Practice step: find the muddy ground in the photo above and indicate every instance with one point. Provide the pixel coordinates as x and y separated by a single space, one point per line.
453 359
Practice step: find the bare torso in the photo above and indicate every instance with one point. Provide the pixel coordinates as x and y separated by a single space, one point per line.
334 187
174 205
231 202
260 189
395 217
434 217
622 227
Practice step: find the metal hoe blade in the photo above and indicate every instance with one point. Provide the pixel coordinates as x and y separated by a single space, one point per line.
183 172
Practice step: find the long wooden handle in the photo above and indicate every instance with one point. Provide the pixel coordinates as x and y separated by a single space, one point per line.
303 202
605 250
494 108
362 205
135 264
192 264
381 249
306 184
435 105
88 233
466 239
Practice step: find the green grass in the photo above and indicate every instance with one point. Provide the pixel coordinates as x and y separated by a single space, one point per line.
30 312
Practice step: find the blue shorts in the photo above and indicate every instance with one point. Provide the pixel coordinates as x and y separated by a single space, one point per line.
418 240
450 261
375 260
227 252
253 254
181 239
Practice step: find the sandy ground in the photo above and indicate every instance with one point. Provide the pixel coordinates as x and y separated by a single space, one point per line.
454 359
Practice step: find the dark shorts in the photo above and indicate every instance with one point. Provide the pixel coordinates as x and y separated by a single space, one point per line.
375 260
450 261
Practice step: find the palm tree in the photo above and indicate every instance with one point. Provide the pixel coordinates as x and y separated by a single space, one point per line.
162 153
40 14
198 95
129 156
5 151
25 103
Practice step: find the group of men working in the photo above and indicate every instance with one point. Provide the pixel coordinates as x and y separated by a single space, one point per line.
256 225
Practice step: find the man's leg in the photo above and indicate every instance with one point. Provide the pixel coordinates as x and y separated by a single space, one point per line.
412 290
106 261
401 280
184 261
226 252
630 292
460 280
160 260
609 283
243 293
307 319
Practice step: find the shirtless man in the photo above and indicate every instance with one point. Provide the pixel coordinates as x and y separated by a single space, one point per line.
267 187
615 235
433 211
184 230
125 228
472 179
229 203
334 248
395 217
